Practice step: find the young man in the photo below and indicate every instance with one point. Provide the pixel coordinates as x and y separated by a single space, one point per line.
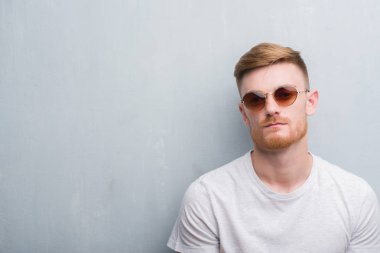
278 197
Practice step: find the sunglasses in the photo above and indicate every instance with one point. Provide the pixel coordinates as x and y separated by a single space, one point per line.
284 96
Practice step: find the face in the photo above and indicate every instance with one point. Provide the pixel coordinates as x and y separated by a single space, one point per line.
276 127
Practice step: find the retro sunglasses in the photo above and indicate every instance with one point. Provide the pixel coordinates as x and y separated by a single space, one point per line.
283 95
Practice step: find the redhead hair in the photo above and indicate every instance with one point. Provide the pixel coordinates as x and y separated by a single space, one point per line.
266 54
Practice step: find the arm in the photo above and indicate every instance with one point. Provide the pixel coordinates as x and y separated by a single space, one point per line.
366 235
195 230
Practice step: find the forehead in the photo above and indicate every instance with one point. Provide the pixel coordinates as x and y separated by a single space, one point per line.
266 79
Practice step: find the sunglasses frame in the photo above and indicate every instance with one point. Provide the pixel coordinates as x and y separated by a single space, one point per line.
265 96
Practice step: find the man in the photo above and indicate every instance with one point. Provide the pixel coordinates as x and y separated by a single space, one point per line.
278 197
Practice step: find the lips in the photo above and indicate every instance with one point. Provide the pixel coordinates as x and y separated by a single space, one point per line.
275 124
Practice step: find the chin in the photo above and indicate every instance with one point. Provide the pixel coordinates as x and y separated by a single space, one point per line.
276 142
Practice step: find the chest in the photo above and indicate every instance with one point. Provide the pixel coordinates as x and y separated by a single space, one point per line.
308 224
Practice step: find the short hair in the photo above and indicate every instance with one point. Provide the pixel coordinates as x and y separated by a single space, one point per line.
266 54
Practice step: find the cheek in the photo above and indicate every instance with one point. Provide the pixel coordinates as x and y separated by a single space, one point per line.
253 120
300 120
250 117
299 112
248 120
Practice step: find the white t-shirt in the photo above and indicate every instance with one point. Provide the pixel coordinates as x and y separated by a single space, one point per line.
230 210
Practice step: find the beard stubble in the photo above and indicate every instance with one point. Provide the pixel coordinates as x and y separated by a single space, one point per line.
278 142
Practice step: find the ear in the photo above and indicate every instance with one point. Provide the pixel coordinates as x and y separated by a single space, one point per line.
243 114
312 101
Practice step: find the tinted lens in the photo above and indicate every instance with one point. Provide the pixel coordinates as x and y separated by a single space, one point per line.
254 101
285 96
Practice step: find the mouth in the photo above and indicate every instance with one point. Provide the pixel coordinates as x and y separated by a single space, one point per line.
275 124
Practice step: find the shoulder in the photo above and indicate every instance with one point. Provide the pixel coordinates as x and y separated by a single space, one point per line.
217 180
334 175
344 187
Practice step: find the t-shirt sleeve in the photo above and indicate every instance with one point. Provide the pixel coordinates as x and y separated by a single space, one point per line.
366 235
195 230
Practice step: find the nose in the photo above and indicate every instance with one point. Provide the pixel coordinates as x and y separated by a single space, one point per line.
271 106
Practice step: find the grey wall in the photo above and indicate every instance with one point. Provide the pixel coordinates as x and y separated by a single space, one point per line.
109 109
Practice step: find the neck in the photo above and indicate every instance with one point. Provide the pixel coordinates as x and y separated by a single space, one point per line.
283 170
